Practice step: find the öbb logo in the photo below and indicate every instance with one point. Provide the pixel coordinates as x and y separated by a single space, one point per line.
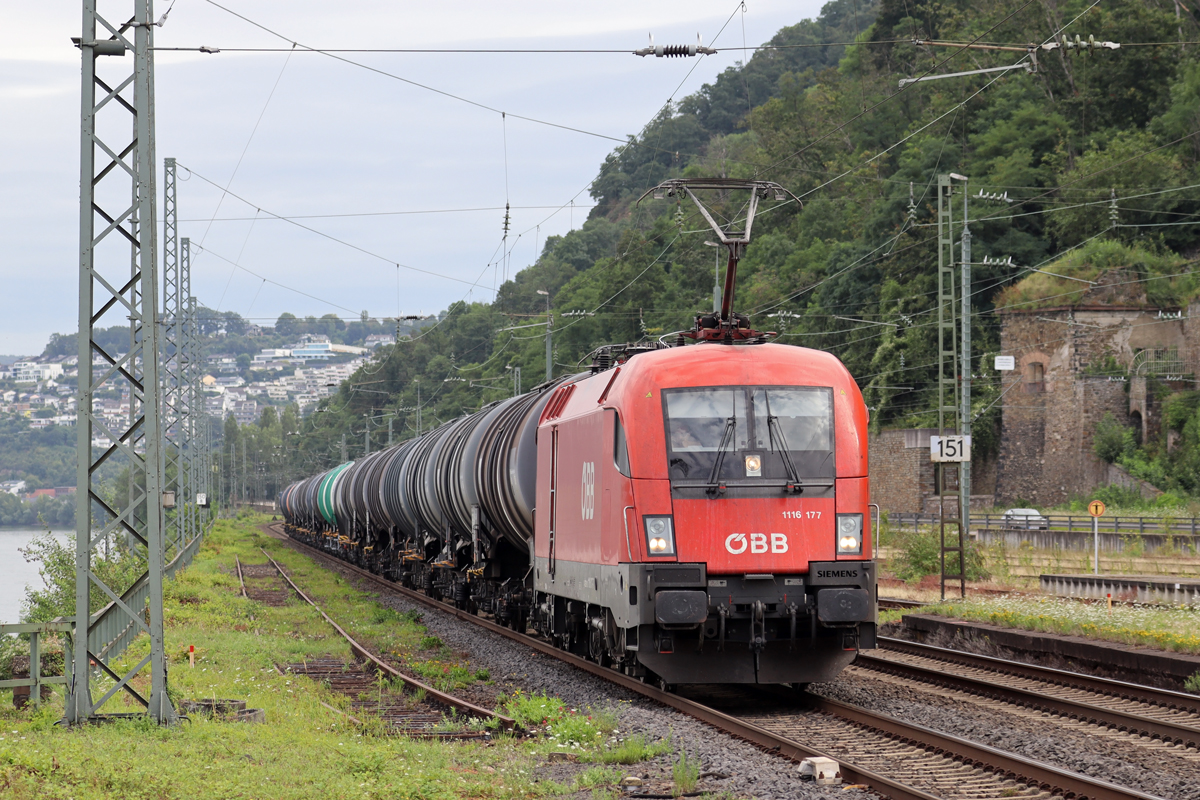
587 502
737 543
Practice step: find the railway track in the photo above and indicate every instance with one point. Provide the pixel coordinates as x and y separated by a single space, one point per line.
887 755
1170 717
417 711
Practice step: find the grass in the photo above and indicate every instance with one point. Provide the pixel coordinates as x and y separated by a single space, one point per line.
303 750
632 750
686 774
1164 627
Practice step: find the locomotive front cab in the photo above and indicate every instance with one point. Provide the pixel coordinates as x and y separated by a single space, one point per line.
755 527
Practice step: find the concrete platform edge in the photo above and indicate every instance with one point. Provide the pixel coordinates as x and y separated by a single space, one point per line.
1136 664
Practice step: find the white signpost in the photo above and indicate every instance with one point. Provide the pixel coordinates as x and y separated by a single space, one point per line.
950 449
1006 363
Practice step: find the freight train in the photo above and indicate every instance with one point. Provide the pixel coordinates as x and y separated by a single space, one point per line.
685 514
690 514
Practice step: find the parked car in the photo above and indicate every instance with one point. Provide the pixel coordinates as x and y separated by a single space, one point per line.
1026 519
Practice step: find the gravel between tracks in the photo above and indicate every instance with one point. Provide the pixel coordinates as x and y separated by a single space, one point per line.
731 765
1117 760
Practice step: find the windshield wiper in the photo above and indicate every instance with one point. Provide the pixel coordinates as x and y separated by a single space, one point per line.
726 437
774 429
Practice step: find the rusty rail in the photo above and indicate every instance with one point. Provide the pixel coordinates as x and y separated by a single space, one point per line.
241 580
448 700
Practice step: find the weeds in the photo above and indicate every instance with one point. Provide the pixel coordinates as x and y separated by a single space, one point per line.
1192 684
562 726
597 776
686 774
633 750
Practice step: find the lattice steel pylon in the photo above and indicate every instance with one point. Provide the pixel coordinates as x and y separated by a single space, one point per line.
191 438
947 378
174 382
118 232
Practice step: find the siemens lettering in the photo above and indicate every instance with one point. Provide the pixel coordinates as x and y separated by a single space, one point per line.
837 573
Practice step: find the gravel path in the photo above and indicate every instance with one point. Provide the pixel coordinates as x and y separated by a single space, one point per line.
726 764
1153 768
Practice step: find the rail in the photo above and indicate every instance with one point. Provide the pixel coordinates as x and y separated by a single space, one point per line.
1170 731
36 680
1031 772
450 701
1076 680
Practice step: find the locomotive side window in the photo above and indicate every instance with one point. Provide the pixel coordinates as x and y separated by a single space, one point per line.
620 448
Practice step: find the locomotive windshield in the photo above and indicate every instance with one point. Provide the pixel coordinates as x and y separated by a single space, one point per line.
711 431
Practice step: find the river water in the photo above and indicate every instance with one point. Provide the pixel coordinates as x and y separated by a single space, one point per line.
16 573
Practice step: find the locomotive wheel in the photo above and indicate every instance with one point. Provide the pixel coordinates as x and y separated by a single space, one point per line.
596 649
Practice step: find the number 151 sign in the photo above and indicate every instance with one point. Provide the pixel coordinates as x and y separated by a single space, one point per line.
950 448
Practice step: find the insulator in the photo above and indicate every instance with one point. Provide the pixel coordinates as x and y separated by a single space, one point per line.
675 50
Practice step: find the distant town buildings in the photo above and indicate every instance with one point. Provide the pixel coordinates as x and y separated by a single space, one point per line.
35 372
43 389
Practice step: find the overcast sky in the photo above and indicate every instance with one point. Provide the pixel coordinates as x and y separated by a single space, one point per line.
348 147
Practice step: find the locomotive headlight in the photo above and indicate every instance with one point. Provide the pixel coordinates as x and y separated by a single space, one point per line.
753 466
849 534
660 535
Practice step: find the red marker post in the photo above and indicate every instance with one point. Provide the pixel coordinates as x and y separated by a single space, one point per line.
192 655
1096 509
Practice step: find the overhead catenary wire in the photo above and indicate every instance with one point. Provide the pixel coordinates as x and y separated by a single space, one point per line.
334 55
351 245
249 139
213 50
236 265
286 217
632 140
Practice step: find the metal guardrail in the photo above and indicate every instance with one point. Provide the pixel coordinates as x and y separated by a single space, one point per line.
112 629
36 679
1063 522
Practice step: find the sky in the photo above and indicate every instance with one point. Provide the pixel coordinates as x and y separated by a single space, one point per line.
352 150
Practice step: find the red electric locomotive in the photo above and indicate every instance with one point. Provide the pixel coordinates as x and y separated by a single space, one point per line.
693 514
706 515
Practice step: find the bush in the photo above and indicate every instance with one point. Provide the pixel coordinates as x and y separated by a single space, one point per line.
1119 496
1112 439
57 569
920 555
